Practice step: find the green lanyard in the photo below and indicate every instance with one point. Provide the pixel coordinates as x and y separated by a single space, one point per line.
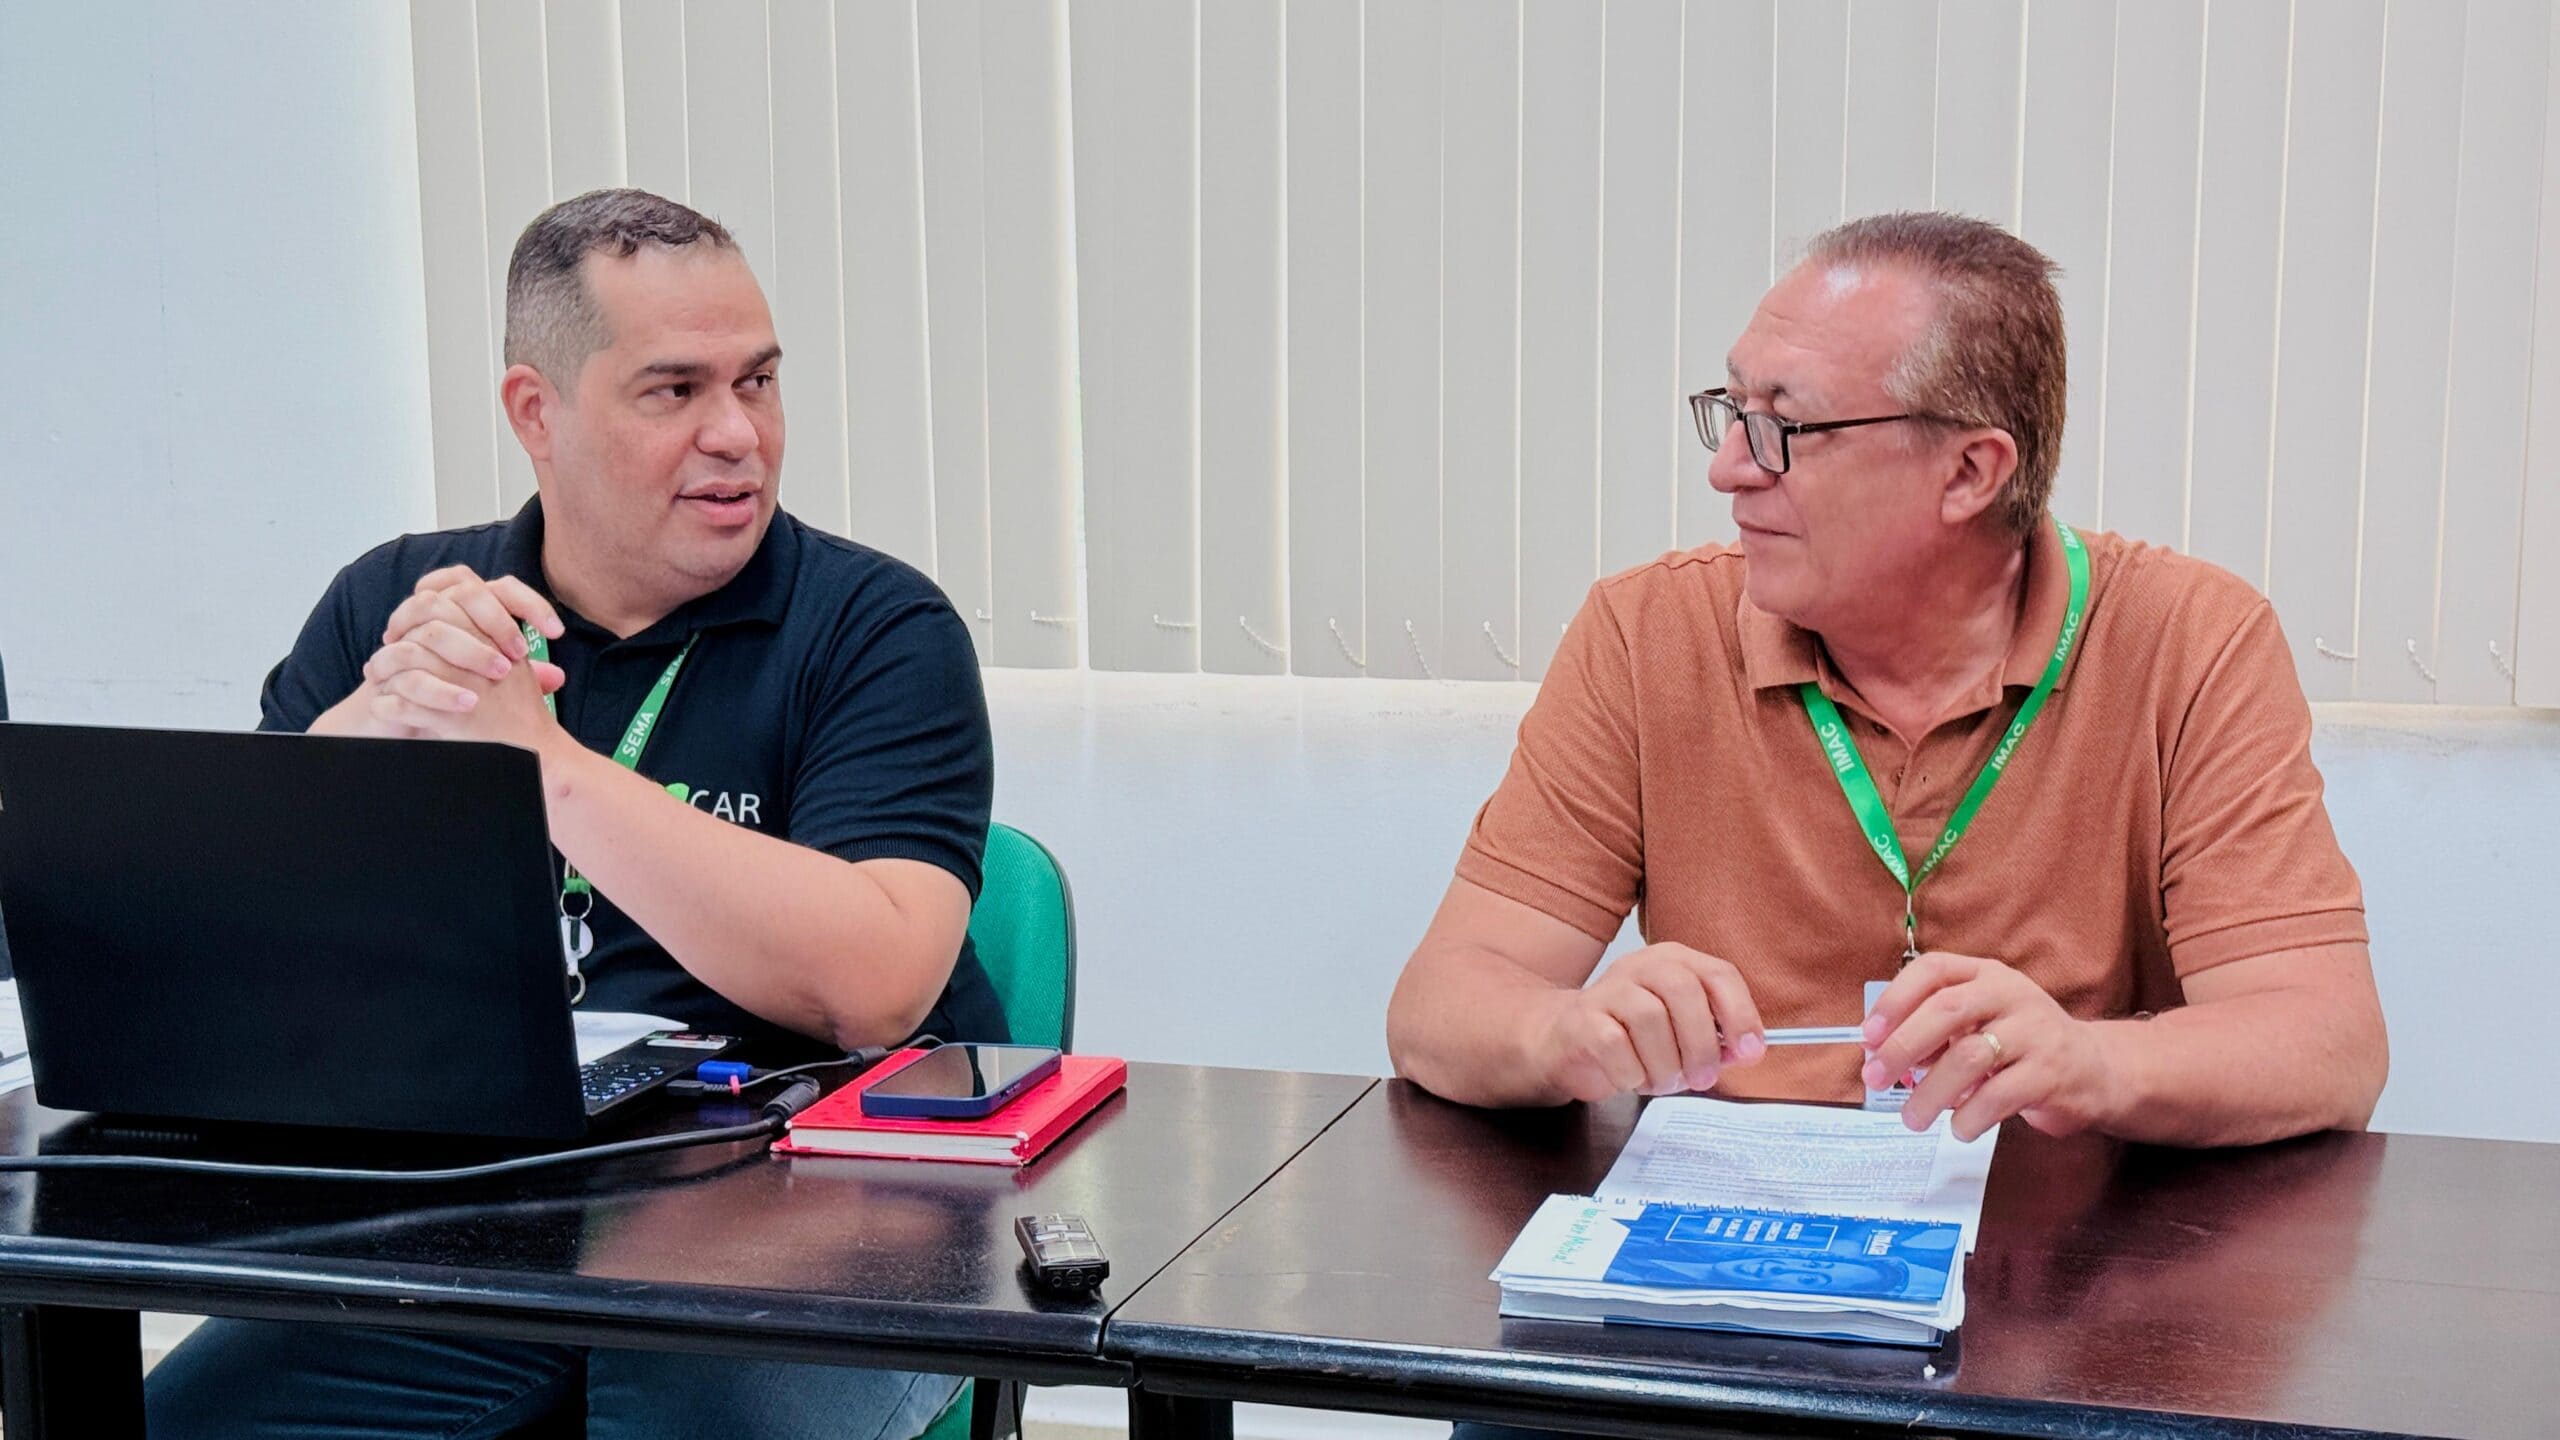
576 939
1860 787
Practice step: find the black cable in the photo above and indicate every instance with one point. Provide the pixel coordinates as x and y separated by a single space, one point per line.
481 1209
866 1057
777 1113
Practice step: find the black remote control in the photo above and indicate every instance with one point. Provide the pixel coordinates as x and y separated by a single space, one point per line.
1061 1251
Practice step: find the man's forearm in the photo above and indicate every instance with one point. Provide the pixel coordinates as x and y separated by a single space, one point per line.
799 937
2245 1069
1456 1025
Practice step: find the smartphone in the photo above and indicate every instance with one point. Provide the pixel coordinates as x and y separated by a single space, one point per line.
960 1082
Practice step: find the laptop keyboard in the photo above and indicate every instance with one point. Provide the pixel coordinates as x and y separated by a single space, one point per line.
611 1079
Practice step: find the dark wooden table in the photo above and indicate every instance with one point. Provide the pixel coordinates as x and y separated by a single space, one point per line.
2333 1286
728 1251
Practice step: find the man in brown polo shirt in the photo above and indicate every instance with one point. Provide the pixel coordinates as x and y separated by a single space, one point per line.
1901 607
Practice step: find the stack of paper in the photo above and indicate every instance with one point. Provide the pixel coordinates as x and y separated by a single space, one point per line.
1655 1263
1786 1218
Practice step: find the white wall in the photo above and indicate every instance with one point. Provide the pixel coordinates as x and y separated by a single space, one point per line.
212 346
1252 859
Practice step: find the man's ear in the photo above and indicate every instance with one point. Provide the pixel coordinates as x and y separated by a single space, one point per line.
1981 472
532 407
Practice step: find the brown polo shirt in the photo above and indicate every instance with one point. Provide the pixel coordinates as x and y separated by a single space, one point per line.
2162 817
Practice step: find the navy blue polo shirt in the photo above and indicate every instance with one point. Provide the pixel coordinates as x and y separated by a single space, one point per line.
833 701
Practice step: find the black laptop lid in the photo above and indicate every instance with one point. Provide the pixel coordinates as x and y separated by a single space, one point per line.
295 929
5 972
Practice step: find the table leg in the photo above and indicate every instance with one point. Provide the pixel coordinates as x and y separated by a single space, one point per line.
1179 1417
68 1371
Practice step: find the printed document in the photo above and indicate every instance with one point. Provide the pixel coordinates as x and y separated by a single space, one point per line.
1792 1219
601 1032
1698 1151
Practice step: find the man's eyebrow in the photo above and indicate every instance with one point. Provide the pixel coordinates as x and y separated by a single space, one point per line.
696 369
1736 380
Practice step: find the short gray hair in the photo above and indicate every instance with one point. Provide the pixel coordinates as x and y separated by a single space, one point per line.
553 324
1993 354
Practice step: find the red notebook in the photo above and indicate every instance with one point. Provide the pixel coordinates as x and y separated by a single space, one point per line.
1011 1136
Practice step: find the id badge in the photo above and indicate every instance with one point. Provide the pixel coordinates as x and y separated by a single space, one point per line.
1891 1097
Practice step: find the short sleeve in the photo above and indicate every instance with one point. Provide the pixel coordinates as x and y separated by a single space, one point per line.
2249 864
1564 834
898 762
325 665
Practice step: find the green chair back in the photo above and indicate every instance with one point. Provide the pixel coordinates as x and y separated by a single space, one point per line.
1024 928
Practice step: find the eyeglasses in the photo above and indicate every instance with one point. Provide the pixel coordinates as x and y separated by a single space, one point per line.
1769 435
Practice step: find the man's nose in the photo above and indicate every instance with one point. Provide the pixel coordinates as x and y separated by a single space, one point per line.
1732 469
728 432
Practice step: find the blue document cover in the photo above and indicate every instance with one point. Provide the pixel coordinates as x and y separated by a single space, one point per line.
1632 1247
1775 1252
1651 1262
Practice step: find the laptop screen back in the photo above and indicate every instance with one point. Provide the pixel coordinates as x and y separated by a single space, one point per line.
285 928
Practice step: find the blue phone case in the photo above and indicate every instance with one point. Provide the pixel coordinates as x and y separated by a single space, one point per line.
947 1107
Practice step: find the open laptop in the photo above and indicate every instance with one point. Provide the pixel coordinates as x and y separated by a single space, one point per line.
297 930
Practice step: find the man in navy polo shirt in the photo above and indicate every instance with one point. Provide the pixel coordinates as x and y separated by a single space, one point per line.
765 757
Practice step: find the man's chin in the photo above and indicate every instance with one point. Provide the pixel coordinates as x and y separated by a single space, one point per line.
715 554
1775 587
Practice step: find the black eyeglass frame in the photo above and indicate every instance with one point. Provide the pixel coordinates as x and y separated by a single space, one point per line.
1767 433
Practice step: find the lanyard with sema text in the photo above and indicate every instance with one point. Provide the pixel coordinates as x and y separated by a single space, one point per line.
1860 787
577 895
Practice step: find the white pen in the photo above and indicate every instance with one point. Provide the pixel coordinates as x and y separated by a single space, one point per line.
1816 1035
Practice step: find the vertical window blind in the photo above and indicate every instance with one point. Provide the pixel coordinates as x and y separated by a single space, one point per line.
1348 337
